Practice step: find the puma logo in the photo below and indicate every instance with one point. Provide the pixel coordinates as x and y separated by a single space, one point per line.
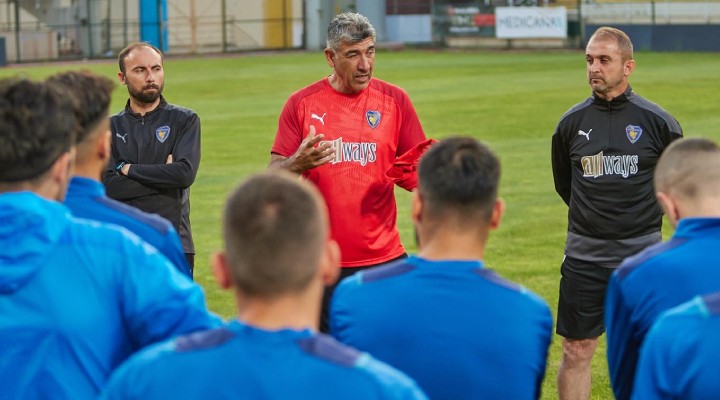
123 137
587 135
321 119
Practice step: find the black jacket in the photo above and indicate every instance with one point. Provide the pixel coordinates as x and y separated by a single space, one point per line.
603 158
152 185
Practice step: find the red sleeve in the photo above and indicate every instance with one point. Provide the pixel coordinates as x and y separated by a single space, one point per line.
289 133
403 172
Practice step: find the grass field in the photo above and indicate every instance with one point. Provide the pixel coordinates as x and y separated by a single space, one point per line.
511 100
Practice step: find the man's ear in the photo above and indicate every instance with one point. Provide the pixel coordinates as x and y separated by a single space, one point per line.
121 77
62 169
416 207
497 213
629 67
330 263
669 206
221 270
329 56
102 146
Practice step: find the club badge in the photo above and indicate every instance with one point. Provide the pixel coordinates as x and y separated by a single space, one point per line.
373 118
162 133
633 133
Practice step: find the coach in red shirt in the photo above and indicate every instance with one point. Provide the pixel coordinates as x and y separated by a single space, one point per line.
343 133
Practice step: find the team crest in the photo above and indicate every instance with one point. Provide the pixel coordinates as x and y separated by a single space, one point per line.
162 133
633 133
373 118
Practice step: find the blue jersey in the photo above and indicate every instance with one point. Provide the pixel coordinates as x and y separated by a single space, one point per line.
78 297
86 199
241 361
681 355
458 329
655 280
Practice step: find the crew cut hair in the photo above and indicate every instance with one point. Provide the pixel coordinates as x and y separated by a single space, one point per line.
348 28
90 94
619 37
38 126
689 168
275 228
132 46
459 177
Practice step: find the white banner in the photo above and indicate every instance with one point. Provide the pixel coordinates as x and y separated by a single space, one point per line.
530 22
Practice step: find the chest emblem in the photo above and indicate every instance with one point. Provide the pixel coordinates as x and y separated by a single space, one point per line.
162 133
633 133
373 118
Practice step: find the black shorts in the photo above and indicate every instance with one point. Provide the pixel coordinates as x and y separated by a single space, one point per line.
581 306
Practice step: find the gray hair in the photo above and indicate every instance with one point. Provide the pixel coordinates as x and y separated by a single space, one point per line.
348 28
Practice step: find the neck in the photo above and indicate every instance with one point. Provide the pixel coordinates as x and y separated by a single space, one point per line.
704 207
141 108
292 311
88 170
338 86
611 95
450 243
43 189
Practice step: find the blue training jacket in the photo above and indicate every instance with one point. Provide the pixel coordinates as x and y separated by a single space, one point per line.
457 328
680 358
655 280
78 297
242 361
86 199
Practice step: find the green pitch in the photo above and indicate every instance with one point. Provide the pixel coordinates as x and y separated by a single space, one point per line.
511 100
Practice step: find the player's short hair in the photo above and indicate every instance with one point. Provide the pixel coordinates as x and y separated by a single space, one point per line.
619 37
689 168
458 177
348 28
90 94
38 125
275 227
132 46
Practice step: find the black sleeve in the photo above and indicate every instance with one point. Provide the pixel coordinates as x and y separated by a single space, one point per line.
120 187
561 166
180 174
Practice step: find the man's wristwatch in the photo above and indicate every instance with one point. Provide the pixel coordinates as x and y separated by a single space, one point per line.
119 166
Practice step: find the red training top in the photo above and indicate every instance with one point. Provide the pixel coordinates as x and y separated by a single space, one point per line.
369 130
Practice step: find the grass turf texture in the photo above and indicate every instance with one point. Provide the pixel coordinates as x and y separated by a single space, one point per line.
510 100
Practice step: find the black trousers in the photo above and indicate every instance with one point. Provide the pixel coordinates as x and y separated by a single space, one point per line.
191 262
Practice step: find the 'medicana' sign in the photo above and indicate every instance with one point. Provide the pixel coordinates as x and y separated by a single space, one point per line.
530 22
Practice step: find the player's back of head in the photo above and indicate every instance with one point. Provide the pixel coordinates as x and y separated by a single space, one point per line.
458 179
90 95
275 227
690 169
38 126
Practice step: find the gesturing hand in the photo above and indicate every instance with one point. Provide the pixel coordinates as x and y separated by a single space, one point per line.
312 152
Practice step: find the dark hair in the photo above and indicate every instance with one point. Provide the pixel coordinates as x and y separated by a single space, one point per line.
459 176
90 94
132 46
37 127
348 28
275 227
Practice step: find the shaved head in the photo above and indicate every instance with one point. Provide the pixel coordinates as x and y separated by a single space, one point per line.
689 169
